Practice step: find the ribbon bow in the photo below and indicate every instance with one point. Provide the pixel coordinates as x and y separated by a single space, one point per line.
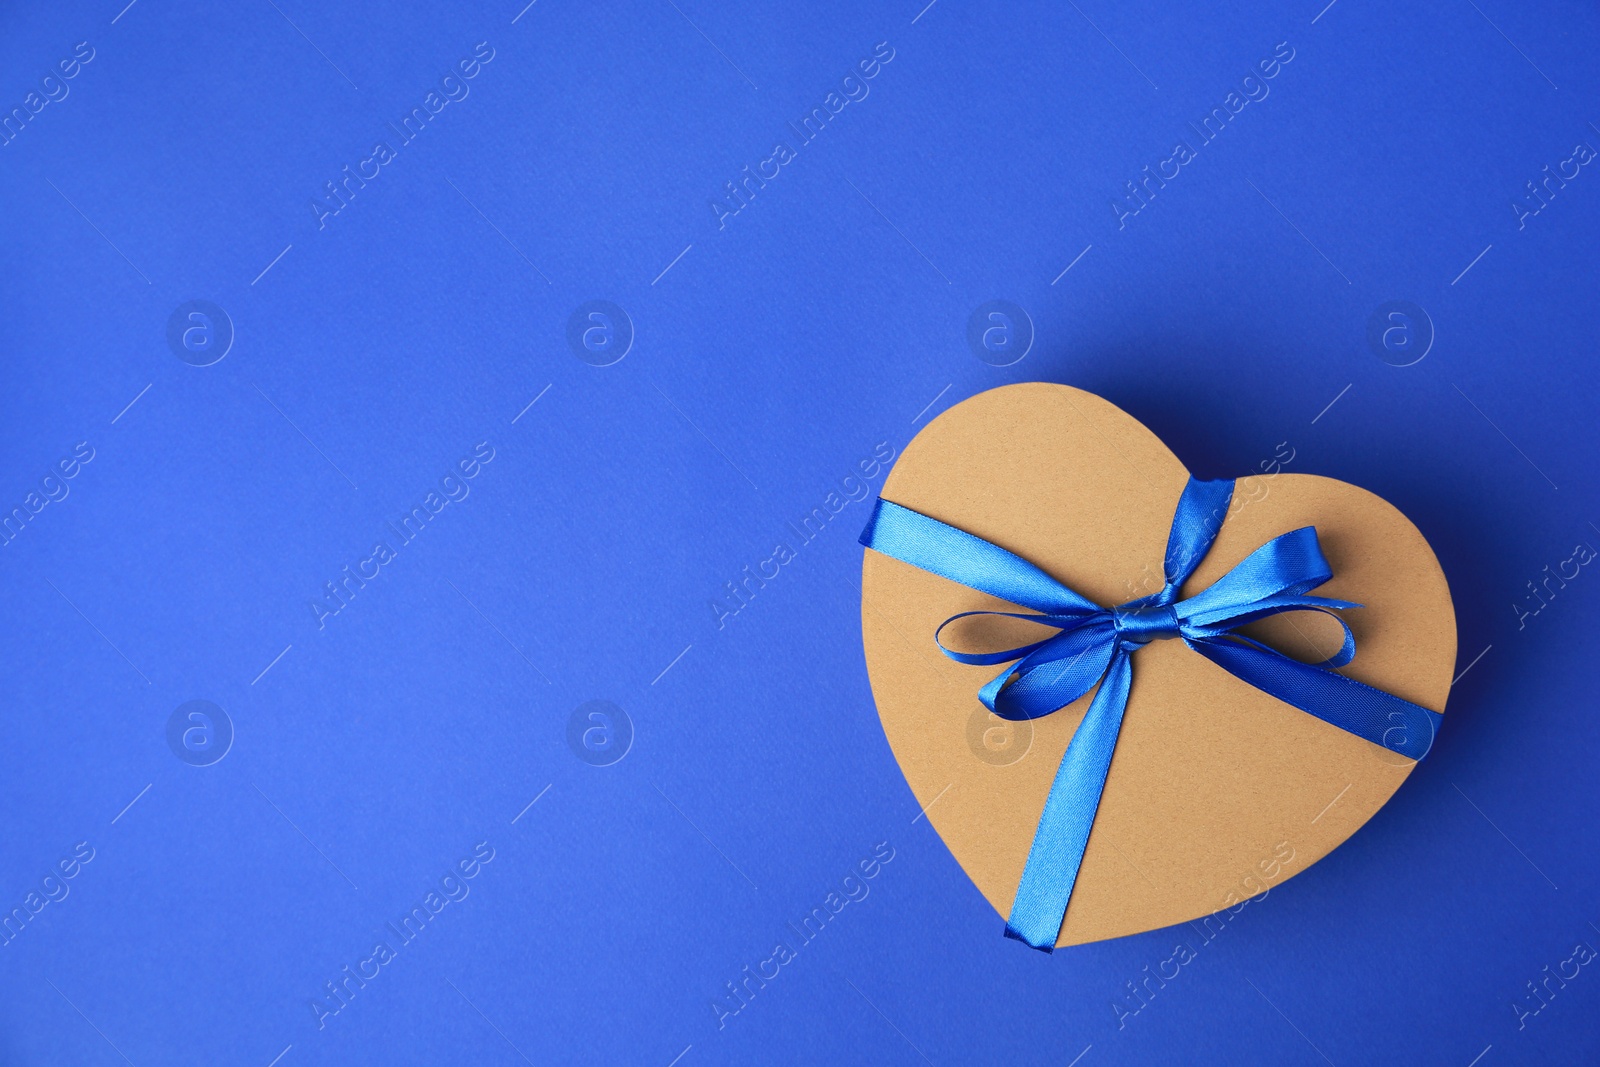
1095 644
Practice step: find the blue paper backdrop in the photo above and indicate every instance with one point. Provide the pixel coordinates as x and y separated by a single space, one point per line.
192 890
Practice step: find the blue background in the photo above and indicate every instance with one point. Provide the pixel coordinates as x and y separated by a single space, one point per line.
771 353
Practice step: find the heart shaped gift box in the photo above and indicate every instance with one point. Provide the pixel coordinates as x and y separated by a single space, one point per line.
1217 789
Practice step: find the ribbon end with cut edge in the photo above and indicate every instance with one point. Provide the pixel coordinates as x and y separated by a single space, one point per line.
1048 948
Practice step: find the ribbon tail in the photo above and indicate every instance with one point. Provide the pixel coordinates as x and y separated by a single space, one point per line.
1382 718
1063 833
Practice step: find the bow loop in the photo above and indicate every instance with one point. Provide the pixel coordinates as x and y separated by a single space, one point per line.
989 659
1290 563
1055 674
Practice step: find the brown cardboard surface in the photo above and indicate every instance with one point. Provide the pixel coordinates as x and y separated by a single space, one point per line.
1211 776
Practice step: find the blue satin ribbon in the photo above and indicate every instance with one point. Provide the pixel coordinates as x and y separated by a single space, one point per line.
1095 645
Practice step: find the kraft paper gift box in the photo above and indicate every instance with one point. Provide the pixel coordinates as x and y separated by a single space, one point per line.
1217 790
